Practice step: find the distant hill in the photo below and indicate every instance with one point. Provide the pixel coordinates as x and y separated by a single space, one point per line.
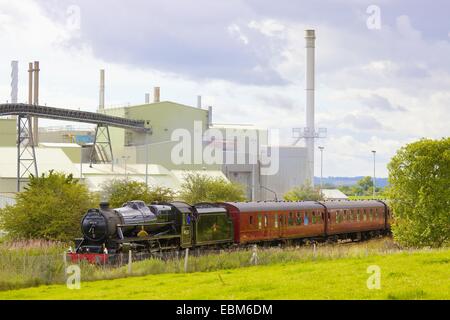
348 181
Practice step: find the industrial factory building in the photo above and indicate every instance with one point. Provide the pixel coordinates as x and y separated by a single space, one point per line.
147 154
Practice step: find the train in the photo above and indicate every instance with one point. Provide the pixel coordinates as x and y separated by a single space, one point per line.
177 225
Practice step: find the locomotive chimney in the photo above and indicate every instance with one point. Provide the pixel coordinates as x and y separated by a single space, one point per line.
310 38
104 205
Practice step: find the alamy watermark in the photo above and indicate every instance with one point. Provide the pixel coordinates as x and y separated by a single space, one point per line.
225 146
374 280
373 22
73 273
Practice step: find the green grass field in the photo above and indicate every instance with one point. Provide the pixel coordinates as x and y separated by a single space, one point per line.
404 275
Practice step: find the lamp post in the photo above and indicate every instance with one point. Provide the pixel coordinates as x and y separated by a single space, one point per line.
270 190
374 186
321 167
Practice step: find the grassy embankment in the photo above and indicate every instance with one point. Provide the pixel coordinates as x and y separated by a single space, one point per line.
331 272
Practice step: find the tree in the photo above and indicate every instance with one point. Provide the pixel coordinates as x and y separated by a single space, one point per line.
202 188
419 178
304 192
118 192
50 207
365 184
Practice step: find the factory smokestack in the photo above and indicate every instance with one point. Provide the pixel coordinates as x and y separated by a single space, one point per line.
147 98
36 102
199 102
310 38
101 102
156 92
14 80
210 116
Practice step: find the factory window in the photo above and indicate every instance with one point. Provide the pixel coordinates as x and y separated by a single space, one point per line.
259 221
276 220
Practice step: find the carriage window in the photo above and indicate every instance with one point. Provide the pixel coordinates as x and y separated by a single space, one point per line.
306 219
276 220
357 215
313 217
370 215
364 215
298 219
291 219
250 220
266 220
259 221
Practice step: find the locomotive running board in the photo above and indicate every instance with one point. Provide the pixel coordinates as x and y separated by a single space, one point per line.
147 238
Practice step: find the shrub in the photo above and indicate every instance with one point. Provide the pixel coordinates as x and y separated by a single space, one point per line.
118 192
202 188
50 208
419 192
304 192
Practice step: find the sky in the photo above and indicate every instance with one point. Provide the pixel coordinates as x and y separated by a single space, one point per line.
382 68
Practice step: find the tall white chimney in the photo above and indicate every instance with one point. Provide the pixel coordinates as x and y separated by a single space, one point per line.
310 38
199 102
101 101
147 98
14 80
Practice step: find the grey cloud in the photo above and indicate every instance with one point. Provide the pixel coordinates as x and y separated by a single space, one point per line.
362 122
278 101
376 101
192 38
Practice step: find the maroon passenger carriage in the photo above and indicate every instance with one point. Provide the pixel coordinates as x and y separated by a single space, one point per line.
275 221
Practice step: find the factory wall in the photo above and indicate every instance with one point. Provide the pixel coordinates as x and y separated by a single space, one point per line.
292 170
163 118
8 132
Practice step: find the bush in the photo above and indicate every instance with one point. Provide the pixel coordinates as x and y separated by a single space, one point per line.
202 188
304 192
118 192
50 208
419 178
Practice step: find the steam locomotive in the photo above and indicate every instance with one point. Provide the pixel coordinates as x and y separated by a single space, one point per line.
177 225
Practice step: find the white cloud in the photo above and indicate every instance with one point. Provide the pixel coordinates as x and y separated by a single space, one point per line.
236 32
